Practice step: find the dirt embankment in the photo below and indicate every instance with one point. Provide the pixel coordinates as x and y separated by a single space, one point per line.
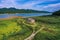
11 17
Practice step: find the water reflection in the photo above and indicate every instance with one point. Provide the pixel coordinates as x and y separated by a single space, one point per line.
24 14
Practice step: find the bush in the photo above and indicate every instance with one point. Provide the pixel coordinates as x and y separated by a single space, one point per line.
57 13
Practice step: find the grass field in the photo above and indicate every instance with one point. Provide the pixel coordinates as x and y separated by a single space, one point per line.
52 23
14 29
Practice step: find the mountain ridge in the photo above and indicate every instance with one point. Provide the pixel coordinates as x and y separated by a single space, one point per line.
14 10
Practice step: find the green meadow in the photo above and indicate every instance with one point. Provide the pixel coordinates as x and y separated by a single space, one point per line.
53 24
15 29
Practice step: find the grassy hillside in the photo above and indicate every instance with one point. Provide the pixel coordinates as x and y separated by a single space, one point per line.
11 30
53 24
15 29
57 13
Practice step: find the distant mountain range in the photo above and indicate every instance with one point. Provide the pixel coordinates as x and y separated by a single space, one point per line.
14 10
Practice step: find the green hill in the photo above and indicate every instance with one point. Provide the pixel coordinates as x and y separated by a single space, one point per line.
14 10
57 13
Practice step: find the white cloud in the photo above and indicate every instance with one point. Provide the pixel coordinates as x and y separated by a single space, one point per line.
7 3
30 5
52 7
12 3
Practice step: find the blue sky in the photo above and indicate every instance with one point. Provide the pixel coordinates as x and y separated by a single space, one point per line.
45 5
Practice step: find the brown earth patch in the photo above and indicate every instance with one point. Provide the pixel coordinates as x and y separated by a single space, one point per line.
11 17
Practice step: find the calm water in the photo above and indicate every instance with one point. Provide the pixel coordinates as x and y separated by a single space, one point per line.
24 14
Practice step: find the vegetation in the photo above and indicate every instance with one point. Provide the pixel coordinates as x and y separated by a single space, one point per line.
20 29
14 10
53 24
57 13
12 28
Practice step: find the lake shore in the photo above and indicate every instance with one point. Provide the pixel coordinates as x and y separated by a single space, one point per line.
11 17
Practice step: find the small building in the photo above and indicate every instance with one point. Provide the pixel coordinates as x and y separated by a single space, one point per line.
31 20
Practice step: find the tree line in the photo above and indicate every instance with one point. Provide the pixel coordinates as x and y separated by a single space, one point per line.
14 10
57 13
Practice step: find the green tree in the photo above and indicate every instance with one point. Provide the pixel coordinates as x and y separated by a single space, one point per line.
57 13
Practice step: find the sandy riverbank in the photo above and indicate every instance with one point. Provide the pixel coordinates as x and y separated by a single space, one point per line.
11 17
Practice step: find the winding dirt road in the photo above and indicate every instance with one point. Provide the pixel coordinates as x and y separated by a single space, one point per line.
31 37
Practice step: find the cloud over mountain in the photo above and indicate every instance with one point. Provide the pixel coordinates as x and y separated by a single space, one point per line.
47 5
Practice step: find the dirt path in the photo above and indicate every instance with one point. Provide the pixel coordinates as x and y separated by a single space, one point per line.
31 37
33 34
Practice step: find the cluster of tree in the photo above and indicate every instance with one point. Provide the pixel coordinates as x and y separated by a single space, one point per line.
14 10
57 13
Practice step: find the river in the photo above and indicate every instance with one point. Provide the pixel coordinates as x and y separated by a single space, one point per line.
24 14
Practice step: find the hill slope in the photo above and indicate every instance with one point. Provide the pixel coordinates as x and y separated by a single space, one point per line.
14 10
57 13
15 29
